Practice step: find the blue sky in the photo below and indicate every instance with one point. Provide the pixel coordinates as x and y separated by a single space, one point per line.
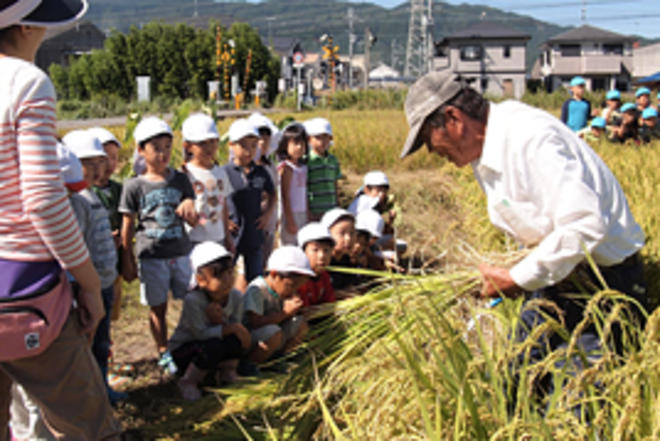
641 17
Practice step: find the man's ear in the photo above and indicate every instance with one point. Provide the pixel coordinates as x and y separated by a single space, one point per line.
454 120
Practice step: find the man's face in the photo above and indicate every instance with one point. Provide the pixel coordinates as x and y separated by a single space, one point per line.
453 142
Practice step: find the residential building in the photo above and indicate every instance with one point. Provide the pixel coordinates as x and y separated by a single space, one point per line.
646 61
60 43
490 55
603 58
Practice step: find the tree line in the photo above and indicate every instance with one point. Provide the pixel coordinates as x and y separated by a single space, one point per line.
180 59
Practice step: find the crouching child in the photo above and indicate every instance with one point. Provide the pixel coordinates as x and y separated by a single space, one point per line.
272 306
210 335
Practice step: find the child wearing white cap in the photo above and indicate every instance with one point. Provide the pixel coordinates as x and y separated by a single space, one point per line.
210 181
98 237
250 183
161 200
369 226
322 168
107 189
317 243
272 306
269 136
209 335
341 224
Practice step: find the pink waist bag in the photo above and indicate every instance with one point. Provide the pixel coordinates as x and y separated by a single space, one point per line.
29 324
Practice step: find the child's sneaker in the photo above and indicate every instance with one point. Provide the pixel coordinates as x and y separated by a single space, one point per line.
167 362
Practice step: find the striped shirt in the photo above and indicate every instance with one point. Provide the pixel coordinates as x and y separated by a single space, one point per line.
322 175
36 219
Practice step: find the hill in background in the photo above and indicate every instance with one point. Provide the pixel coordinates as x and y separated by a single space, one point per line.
307 20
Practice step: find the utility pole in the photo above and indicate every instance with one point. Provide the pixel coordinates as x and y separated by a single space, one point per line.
270 30
419 38
196 12
351 40
369 40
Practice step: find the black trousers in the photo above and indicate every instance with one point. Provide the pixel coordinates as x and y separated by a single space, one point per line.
207 354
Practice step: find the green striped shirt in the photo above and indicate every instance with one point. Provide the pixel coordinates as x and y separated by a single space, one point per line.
322 175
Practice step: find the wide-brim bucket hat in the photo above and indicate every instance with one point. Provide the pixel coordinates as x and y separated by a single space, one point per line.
44 13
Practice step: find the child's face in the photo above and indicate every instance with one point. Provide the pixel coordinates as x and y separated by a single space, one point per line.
203 152
596 131
286 285
320 143
156 153
112 151
318 254
628 117
264 140
295 149
244 150
379 192
650 122
578 91
643 100
613 104
215 282
361 242
343 233
93 169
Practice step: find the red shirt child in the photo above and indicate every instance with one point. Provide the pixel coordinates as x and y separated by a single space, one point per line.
317 243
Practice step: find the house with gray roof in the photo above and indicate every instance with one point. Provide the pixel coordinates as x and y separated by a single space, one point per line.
490 55
63 42
603 58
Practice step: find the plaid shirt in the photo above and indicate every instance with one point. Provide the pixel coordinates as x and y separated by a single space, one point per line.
322 175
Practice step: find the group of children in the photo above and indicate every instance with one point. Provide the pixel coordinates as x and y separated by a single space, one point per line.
206 234
619 122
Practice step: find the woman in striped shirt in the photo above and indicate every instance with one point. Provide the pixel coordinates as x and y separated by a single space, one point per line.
39 236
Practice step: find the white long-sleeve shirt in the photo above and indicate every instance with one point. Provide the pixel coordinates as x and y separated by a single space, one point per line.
548 189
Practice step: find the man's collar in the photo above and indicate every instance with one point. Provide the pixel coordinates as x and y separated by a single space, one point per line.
491 153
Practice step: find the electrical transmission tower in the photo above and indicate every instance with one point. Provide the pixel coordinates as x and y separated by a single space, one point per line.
419 53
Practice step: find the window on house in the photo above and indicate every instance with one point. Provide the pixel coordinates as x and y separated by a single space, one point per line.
470 53
507 51
613 49
598 83
569 50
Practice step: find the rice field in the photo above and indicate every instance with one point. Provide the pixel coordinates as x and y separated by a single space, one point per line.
419 358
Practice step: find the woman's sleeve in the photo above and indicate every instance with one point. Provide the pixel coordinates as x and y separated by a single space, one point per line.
42 190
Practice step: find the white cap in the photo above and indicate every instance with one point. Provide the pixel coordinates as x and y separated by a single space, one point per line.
258 120
331 217
70 168
317 126
370 221
104 135
376 178
199 127
83 144
289 259
240 129
313 231
150 127
207 252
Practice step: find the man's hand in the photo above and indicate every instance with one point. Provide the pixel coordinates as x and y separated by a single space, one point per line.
292 306
128 270
497 282
186 210
214 313
262 221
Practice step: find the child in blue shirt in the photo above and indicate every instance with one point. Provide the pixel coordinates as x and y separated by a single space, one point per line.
576 111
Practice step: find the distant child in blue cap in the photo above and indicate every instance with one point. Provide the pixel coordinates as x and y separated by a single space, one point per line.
643 98
576 110
649 129
629 127
595 131
611 110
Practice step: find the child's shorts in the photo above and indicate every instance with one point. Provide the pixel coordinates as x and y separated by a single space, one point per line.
159 276
289 330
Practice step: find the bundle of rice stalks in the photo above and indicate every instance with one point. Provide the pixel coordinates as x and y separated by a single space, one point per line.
400 364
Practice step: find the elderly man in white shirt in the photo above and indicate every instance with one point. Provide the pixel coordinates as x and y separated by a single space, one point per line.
545 187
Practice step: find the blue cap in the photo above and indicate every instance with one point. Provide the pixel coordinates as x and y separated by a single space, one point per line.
598 122
642 91
628 106
649 112
613 95
577 81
